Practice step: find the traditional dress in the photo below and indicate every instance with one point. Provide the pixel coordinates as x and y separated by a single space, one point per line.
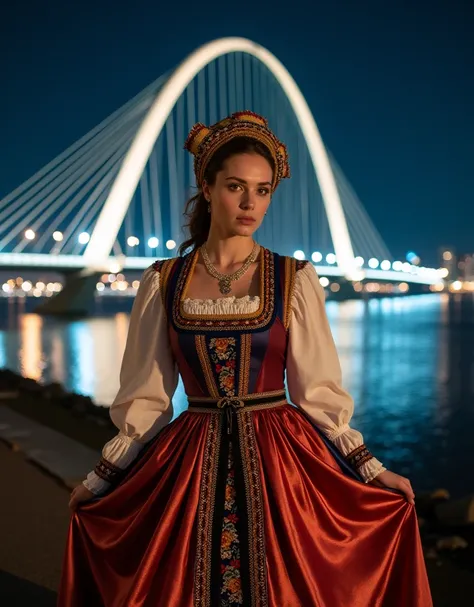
243 499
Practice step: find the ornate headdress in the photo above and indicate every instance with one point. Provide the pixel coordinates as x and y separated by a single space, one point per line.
203 141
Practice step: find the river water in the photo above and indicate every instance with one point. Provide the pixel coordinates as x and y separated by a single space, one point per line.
408 363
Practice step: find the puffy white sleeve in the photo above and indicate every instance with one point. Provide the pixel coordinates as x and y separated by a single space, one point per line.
148 380
314 373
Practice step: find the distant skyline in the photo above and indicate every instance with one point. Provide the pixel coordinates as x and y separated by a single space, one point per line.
390 87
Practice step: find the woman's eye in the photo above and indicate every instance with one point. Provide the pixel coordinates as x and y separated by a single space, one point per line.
234 186
264 191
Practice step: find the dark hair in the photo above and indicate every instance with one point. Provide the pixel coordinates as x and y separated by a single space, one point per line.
196 208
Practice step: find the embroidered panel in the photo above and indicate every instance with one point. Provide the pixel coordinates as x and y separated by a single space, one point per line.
206 365
223 354
202 570
231 582
255 517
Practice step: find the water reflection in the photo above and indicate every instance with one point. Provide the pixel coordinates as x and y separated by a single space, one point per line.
407 362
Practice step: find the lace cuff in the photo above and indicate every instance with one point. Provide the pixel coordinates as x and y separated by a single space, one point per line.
351 445
96 484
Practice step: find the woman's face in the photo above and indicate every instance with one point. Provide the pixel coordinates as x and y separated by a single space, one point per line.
241 193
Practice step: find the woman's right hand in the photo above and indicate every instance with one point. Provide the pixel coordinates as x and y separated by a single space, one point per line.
78 495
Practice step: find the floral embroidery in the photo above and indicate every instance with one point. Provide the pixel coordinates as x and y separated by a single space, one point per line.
231 587
223 354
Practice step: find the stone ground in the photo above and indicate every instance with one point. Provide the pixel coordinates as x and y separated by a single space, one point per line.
34 515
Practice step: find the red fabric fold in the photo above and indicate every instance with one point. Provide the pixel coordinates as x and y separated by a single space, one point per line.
134 547
331 541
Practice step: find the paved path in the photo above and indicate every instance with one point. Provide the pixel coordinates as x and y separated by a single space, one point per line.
38 466
61 456
33 524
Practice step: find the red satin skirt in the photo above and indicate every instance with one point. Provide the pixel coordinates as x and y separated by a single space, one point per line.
263 517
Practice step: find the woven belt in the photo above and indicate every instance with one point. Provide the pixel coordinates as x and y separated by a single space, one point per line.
230 404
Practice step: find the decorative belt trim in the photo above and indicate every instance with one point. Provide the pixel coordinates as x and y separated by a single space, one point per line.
358 457
230 404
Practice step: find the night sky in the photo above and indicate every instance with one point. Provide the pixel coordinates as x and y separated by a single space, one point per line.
391 85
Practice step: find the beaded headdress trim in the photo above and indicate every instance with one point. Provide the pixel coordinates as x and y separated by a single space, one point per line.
203 141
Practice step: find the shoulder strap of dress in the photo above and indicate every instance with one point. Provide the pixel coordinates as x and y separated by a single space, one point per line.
165 268
289 267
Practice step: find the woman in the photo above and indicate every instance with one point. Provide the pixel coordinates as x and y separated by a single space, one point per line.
244 499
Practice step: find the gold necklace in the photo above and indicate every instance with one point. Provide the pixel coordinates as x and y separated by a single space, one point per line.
226 279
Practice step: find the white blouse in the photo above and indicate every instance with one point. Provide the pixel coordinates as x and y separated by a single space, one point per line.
149 375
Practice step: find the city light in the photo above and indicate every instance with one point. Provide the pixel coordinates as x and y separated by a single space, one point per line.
413 258
331 258
323 281
299 255
26 286
385 265
359 261
397 266
114 267
316 257
373 263
58 236
30 235
133 241
83 238
447 256
153 242
372 287
170 244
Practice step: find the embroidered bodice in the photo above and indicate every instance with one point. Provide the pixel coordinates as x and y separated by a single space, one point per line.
225 347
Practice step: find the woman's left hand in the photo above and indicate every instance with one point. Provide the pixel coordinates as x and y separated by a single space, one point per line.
395 481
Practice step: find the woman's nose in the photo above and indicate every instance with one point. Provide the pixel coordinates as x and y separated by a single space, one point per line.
247 200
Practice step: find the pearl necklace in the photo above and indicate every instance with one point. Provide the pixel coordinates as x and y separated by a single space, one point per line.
226 279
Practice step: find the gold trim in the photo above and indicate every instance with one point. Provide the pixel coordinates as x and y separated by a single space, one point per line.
195 256
202 567
256 525
202 351
290 274
164 267
244 371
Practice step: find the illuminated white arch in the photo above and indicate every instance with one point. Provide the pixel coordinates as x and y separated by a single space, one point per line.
125 184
